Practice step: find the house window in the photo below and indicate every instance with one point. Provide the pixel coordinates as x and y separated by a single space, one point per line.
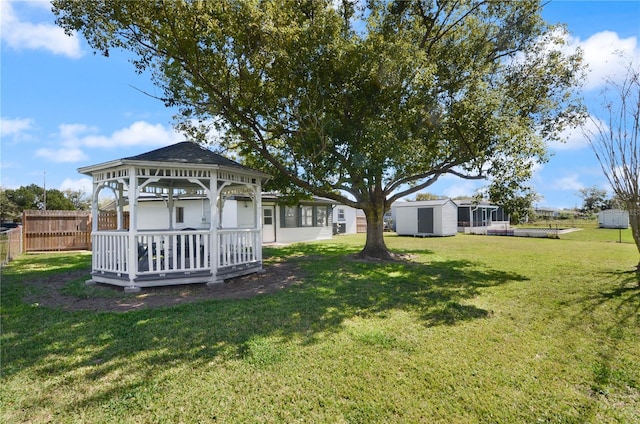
321 217
306 216
179 215
267 215
341 214
290 216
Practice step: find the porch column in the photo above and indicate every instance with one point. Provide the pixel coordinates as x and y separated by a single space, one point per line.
94 206
120 206
215 223
258 220
170 206
133 230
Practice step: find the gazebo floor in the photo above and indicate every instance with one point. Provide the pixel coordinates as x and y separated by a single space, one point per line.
174 278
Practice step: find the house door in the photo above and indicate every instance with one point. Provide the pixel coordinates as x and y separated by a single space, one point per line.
425 220
268 225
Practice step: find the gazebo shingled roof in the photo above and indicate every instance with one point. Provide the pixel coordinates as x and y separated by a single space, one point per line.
186 152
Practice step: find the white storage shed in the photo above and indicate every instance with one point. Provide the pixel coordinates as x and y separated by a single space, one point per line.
426 218
613 218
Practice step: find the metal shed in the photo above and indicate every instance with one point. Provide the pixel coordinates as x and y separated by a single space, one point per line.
613 218
426 218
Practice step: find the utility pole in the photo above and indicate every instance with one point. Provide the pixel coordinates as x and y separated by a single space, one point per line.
45 190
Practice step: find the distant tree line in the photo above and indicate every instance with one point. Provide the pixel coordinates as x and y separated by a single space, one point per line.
594 200
32 197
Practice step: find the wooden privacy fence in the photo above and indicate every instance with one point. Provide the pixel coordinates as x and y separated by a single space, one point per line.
109 220
10 245
56 230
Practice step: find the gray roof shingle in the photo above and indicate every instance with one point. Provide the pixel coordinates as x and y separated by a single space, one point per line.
186 152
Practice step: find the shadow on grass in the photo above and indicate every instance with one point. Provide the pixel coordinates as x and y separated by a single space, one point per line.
30 267
623 297
335 288
619 302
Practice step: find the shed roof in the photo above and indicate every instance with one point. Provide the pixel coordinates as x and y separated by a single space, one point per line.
423 203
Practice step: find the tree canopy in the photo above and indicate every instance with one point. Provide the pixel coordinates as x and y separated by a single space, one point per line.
32 197
363 102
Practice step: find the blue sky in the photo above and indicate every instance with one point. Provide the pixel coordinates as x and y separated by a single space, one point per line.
62 107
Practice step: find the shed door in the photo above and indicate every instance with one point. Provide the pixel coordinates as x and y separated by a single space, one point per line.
425 220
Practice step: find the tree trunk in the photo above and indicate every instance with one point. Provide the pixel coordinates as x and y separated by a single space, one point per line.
375 248
634 221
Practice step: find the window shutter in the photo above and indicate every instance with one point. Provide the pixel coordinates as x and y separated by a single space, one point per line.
282 216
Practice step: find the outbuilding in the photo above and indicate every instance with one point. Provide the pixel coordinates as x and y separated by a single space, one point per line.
613 218
426 218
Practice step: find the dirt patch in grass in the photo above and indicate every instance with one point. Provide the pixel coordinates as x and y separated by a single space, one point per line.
49 291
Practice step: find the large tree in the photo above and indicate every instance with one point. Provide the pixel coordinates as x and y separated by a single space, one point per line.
32 197
615 139
363 102
594 199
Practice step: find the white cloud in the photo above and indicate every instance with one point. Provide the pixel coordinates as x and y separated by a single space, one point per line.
63 154
140 133
75 139
20 34
14 127
574 138
570 182
83 184
606 55
462 188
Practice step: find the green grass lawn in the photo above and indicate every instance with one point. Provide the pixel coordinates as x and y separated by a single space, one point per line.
472 330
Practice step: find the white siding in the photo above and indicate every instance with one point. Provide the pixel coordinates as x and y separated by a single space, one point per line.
154 214
350 220
298 234
613 218
449 219
406 220
301 234
445 217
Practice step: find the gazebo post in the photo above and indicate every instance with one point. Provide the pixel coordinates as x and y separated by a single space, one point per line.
133 231
258 219
213 229
120 207
94 207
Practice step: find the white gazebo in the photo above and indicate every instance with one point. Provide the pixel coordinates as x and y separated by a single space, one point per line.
134 258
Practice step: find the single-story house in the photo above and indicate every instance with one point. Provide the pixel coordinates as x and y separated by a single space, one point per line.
306 220
183 244
613 218
547 213
426 218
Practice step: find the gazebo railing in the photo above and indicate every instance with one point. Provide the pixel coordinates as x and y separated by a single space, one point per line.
173 251
110 251
161 252
238 247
